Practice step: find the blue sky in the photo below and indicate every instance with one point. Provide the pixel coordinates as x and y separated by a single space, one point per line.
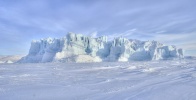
172 22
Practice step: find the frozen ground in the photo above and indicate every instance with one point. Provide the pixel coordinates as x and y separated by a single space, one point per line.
10 58
155 80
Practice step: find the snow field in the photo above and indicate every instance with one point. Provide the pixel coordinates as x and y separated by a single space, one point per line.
142 80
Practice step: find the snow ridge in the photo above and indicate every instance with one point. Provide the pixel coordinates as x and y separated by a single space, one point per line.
80 48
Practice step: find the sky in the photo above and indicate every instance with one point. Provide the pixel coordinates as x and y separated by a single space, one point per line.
172 22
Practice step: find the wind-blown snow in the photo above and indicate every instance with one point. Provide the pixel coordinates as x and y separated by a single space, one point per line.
142 80
74 47
10 58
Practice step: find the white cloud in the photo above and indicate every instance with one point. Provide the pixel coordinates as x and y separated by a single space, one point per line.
175 38
94 34
188 46
123 34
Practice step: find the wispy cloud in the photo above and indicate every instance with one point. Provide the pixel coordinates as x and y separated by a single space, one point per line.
94 34
123 34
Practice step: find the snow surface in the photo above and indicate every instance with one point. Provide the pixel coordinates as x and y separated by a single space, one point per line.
73 47
139 80
10 58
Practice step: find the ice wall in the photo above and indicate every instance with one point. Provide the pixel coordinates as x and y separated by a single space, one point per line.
80 48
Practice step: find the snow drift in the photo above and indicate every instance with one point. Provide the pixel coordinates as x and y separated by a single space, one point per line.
10 58
80 48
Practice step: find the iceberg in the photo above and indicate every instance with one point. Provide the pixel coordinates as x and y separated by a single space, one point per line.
79 48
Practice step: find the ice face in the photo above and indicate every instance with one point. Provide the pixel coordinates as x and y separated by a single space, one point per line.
80 48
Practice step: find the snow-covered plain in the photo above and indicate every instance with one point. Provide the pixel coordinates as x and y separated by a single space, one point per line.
142 80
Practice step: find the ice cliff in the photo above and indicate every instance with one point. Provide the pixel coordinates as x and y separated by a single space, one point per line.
79 48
